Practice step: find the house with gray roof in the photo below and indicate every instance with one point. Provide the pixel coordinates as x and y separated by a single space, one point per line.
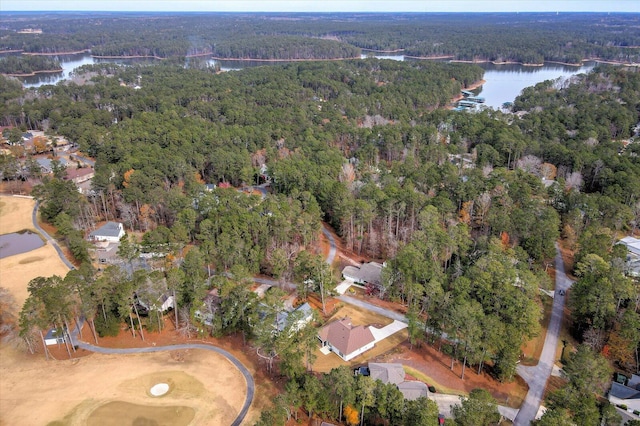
367 273
394 373
633 255
628 394
110 231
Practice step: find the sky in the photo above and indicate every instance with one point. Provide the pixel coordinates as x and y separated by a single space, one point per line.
325 5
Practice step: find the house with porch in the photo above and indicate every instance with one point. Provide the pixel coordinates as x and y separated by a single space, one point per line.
345 339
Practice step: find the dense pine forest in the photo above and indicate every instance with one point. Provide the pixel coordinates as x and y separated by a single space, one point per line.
465 208
569 38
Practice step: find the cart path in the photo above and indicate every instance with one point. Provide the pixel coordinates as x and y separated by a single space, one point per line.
332 245
537 376
53 242
247 375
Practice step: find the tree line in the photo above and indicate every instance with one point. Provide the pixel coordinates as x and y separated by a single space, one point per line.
502 37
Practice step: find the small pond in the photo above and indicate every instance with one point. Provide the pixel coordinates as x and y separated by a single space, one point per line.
19 242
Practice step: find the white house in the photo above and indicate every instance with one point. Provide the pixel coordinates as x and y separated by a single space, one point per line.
633 255
345 339
53 337
110 231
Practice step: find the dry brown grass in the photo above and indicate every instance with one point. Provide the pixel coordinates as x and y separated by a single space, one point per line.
34 391
15 214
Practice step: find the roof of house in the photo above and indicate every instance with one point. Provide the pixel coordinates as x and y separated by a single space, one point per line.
632 243
305 313
387 372
346 337
634 381
109 229
367 272
48 164
76 173
413 390
624 392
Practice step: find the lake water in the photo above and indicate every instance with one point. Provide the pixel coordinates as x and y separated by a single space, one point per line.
503 82
19 242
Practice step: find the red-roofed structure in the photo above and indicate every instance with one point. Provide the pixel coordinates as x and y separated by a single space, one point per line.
345 339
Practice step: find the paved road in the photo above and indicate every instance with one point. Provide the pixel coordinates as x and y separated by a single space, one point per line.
377 309
247 375
54 243
332 245
537 376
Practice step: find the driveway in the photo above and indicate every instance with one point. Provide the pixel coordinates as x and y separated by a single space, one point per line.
537 376
388 330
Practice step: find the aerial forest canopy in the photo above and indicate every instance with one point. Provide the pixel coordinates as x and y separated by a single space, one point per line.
529 38
465 207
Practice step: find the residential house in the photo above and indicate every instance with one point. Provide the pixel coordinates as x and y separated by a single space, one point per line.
81 177
78 176
46 165
633 255
302 314
53 337
345 339
110 231
367 273
163 304
394 373
628 395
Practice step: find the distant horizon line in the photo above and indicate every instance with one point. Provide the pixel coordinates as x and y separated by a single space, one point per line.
328 12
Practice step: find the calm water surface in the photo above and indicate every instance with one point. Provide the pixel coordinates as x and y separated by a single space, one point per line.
19 242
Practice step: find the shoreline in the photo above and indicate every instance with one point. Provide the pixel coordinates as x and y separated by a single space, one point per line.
383 51
127 57
217 58
31 74
76 52
472 86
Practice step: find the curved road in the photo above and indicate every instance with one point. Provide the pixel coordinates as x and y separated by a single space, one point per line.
54 243
247 375
537 376
332 245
